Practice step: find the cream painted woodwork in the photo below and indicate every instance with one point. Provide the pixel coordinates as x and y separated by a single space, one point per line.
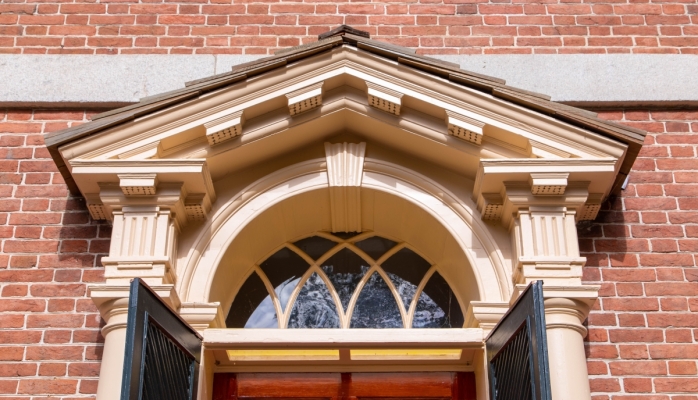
346 140
305 99
407 350
383 98
466 128
345 168
224 128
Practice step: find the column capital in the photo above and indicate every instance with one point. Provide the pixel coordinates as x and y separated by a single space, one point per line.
183 185
502 187
113 299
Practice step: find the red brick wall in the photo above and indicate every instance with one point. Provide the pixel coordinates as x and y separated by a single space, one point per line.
49 328
642 249
432 26
643 333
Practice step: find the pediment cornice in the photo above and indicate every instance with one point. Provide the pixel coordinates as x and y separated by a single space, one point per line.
349 90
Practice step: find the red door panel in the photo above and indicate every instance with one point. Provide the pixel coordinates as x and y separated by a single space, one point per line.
345 386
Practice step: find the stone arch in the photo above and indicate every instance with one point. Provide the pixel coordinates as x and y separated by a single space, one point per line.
216 262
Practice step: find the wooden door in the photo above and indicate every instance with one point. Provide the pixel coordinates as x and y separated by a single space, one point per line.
345 386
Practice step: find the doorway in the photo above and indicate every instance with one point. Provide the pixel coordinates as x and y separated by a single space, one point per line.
345 386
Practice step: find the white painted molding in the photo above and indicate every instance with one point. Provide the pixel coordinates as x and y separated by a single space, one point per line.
465 128
305 99
384 99
345 167
224 128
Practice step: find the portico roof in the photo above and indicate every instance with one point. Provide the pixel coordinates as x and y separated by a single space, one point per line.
359 41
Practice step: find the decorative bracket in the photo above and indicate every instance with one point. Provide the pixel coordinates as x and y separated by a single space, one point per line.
492 205
96 208
464 127
550 184
305 99
138 184
591 208
384 99
196 206
345 166
224 128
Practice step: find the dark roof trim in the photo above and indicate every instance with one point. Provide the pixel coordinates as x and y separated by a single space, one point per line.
345 35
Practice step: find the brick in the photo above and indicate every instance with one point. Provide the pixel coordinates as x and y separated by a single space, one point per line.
604 385
634 352
11 321
671 351
52 369
684 385
84 369
17 369
19 336
682 368
11 353
637 385
631 320
55 321
636 335
673 320
47 386
54 353
638 368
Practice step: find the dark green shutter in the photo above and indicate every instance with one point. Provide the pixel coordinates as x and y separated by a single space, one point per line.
517 350
162 351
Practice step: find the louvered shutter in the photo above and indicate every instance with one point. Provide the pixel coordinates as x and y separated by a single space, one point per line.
517 350
162 351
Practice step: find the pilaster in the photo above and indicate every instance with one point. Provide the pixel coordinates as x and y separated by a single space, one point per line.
144 235
148 201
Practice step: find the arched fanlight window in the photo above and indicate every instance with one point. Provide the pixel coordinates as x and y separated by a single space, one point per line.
345 281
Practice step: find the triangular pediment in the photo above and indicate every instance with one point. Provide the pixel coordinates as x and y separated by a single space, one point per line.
423 108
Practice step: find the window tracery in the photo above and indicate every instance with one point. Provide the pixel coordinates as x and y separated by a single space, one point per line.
347 280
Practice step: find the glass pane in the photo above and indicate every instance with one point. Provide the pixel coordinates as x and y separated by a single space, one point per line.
406 270
264 316
376 306
375 246
315 246
252 305
284 269
314 307
345 235
437 306
345 269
